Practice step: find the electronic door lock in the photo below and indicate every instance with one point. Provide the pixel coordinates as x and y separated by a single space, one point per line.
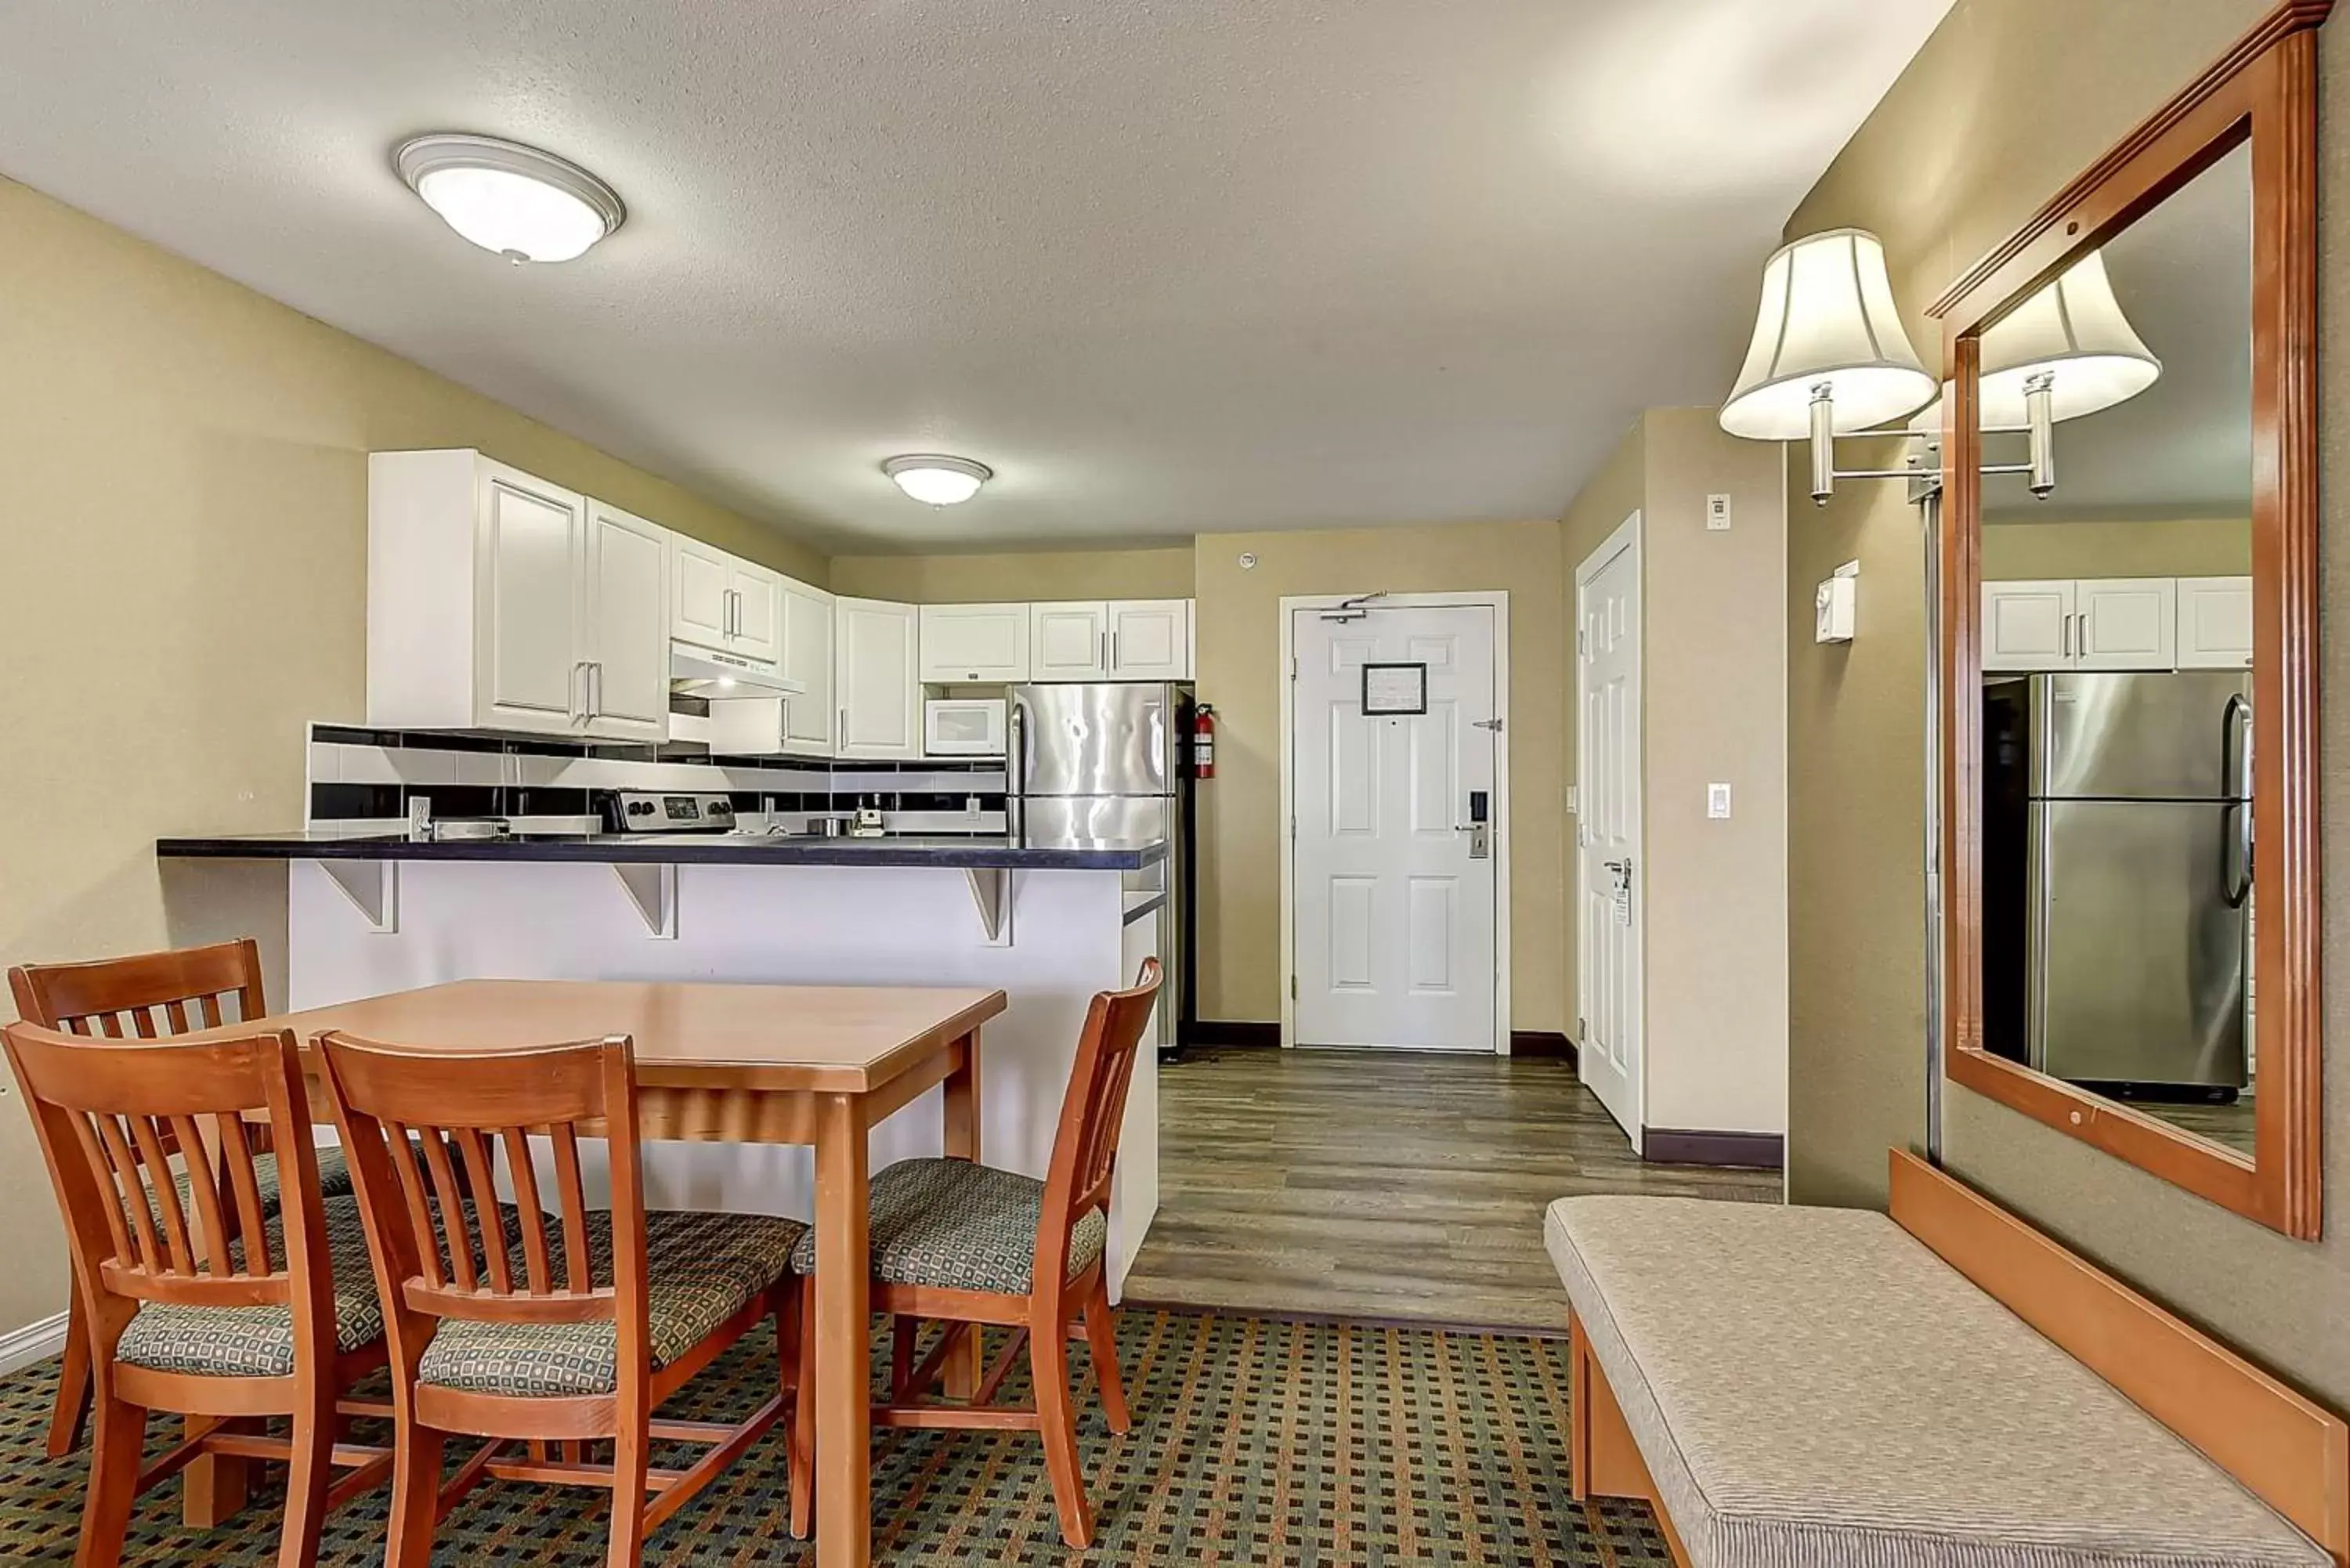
1480 839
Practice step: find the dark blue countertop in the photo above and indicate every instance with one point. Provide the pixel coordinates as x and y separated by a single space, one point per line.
951 853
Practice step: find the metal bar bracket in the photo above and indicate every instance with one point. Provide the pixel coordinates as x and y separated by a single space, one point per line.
653 891
373 888
991 889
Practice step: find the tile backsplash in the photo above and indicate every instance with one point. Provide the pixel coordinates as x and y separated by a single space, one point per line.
363 778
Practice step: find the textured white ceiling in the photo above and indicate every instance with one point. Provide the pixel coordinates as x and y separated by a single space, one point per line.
1169 265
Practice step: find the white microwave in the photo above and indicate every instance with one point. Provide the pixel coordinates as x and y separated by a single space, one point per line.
964 727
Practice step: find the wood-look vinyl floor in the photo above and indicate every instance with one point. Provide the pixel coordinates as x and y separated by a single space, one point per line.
1381 1184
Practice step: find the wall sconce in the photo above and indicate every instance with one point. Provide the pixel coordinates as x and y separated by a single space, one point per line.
1829 358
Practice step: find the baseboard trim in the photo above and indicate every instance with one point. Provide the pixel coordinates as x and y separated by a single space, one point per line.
1541 1042
36 1340
1235 1031
1755 1151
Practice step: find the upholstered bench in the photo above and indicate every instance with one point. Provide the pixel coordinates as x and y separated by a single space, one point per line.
1812 1387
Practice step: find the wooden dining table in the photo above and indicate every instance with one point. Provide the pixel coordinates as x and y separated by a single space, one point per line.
814 1064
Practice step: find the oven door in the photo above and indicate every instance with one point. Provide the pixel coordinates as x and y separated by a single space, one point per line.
964 727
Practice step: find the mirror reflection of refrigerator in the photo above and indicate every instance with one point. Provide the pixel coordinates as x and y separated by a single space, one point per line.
2117 875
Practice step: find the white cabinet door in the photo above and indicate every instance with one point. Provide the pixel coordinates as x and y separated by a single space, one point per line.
758 612
967 644
528 551
1150 639
878 700
701 602
2027 625
1068 642
2125 623
2215 623
625 625
807 723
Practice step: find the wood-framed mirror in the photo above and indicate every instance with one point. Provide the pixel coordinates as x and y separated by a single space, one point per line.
2130 616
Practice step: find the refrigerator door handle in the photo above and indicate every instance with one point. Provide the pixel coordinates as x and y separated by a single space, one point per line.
2235 778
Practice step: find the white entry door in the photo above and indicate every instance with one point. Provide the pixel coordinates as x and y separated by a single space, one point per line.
1607 837
1394 912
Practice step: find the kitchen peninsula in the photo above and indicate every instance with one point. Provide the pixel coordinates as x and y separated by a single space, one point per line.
1048 923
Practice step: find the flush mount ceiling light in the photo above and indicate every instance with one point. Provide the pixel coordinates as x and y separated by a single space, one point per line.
937 480
525 204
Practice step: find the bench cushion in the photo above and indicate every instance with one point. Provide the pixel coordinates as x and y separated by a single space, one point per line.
1816 1386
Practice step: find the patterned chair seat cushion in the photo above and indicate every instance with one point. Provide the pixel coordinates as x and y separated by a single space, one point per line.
258 1341
334 1180
700 1269
1816 1386
956 1225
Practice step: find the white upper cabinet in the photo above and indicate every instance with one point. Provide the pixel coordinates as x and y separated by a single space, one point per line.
963 644
808 658
1068 642
2215 623
722 602
627 616
2092 623
878 695
2027 625
758 613
495 603
1149 639
2125 623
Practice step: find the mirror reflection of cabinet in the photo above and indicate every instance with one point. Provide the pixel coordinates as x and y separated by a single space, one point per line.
2129 735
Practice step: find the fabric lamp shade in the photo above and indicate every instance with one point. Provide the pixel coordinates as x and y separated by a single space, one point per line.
2073 330
1828 318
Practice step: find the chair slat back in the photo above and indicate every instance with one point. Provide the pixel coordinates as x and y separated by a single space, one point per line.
145 996
1085 1145
109 1113
423 1129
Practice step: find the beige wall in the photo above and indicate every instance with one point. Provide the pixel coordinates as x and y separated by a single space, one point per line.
1240 673
182 545
1714 694
2163 547
2006 103
1714 669
1016 576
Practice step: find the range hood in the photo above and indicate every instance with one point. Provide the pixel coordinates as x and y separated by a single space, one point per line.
702 672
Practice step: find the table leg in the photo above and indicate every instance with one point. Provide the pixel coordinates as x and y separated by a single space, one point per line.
965 1364
843 1502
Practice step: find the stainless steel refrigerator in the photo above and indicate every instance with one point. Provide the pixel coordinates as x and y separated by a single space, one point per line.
2119 827
1113 760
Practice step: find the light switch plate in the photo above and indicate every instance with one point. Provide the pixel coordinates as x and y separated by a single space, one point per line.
1717 800
1717 513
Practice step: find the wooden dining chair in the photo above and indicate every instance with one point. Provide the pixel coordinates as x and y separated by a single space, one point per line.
965 1245
195 1299
149 996
579 1329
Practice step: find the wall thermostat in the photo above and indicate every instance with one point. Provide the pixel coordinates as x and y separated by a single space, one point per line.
1835 605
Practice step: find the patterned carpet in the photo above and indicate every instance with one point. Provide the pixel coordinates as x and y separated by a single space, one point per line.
1255 1441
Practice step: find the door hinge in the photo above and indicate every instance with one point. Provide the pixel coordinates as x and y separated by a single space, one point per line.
1583 644
1292 988
1293 667
1581 1029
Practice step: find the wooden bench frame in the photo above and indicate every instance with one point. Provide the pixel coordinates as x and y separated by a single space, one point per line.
2292 1453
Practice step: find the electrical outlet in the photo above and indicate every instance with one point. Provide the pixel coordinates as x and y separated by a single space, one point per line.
1717 513
1717 800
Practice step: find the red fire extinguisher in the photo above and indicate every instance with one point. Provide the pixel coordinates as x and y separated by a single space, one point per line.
1204 742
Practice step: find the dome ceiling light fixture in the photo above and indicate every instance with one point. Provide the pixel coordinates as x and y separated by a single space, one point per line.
936 478
525 204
